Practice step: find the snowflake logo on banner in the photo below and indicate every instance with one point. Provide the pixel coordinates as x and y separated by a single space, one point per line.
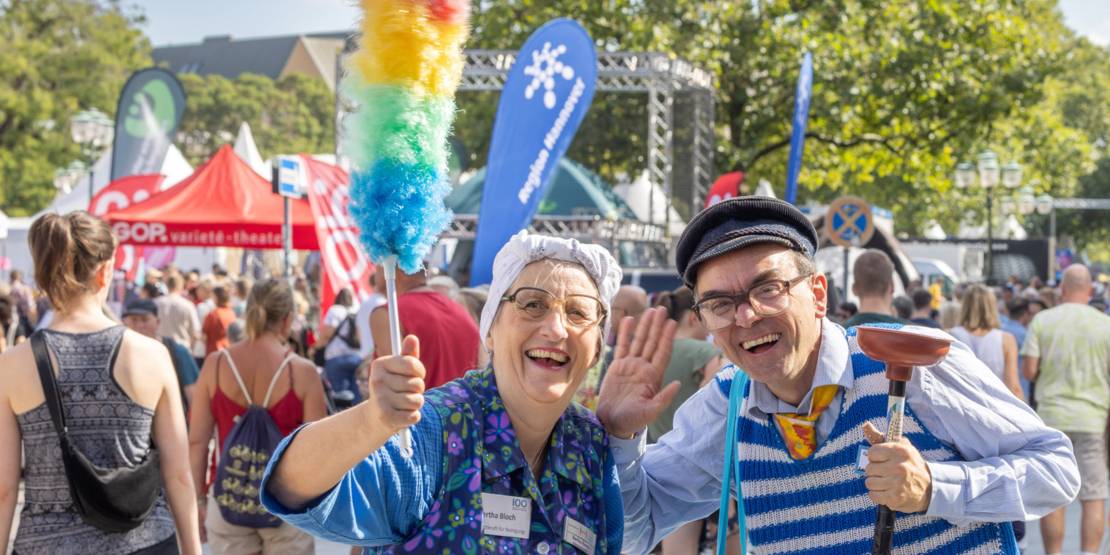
543 69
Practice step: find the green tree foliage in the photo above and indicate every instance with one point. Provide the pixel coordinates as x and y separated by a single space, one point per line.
1090 230
58 57
1082 101
291 115
903 90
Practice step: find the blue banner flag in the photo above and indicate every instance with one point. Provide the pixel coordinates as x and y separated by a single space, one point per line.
545 97
797 139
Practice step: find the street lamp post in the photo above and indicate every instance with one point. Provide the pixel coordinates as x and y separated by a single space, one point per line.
92 130
65 179
987 174
1044 205
62 181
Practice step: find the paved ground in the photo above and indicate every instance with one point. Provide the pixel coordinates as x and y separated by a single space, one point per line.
328 548
1033 547
1071 536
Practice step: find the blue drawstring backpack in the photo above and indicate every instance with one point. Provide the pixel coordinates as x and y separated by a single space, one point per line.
246 451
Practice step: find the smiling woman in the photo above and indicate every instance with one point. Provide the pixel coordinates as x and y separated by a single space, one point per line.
503 460
543 345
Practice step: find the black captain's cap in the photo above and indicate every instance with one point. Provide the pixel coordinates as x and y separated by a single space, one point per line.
738 223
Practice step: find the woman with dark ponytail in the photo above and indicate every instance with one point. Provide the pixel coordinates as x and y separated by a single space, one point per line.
119 397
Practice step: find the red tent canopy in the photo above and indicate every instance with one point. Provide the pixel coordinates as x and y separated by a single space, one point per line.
223 204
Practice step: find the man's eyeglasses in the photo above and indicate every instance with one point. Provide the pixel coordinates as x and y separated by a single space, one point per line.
767 299
581 311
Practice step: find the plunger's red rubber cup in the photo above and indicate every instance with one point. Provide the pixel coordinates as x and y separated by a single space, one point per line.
901 350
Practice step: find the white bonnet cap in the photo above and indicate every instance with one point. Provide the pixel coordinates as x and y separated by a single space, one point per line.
525 248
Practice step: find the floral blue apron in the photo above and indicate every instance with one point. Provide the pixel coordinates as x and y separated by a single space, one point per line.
482 455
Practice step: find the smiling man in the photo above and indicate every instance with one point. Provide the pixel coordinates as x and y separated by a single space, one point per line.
975 458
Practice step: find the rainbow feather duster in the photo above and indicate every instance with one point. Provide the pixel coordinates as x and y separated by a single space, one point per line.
403 79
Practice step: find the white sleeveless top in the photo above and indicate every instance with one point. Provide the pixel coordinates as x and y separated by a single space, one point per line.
987 348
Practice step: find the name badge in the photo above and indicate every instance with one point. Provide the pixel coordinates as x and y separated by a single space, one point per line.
505 515
862 460
578 535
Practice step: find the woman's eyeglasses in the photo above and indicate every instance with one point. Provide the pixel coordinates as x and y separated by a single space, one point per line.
581 311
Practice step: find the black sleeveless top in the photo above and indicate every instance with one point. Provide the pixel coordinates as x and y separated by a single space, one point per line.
107 426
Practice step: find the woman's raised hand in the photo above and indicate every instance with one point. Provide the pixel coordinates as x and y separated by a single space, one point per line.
632 394
397 388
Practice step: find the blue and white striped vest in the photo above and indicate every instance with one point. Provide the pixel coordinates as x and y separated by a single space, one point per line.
820 505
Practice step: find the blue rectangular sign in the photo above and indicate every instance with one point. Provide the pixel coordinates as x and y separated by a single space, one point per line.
289 178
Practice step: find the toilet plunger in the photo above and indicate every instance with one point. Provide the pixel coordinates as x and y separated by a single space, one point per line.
900 351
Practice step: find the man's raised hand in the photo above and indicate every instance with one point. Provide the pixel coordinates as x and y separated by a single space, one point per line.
632 394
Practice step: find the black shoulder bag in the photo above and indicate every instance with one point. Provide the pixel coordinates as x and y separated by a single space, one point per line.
350 337
111 499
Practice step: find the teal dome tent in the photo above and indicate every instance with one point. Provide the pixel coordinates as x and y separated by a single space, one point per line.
573 191
575 201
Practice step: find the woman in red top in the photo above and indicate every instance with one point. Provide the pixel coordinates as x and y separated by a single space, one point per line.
268 370
217 321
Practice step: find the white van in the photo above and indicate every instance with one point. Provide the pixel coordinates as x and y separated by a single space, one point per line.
933 268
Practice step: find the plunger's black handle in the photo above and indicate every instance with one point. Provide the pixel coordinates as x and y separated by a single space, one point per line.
884 520
884 531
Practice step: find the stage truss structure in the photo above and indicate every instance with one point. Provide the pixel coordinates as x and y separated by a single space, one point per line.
671 85
633 243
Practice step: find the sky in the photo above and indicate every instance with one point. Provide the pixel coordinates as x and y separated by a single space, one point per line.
181 21
189 21
1091 18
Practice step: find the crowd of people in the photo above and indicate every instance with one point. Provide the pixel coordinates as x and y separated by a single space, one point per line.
230 344
1049 346
554 409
